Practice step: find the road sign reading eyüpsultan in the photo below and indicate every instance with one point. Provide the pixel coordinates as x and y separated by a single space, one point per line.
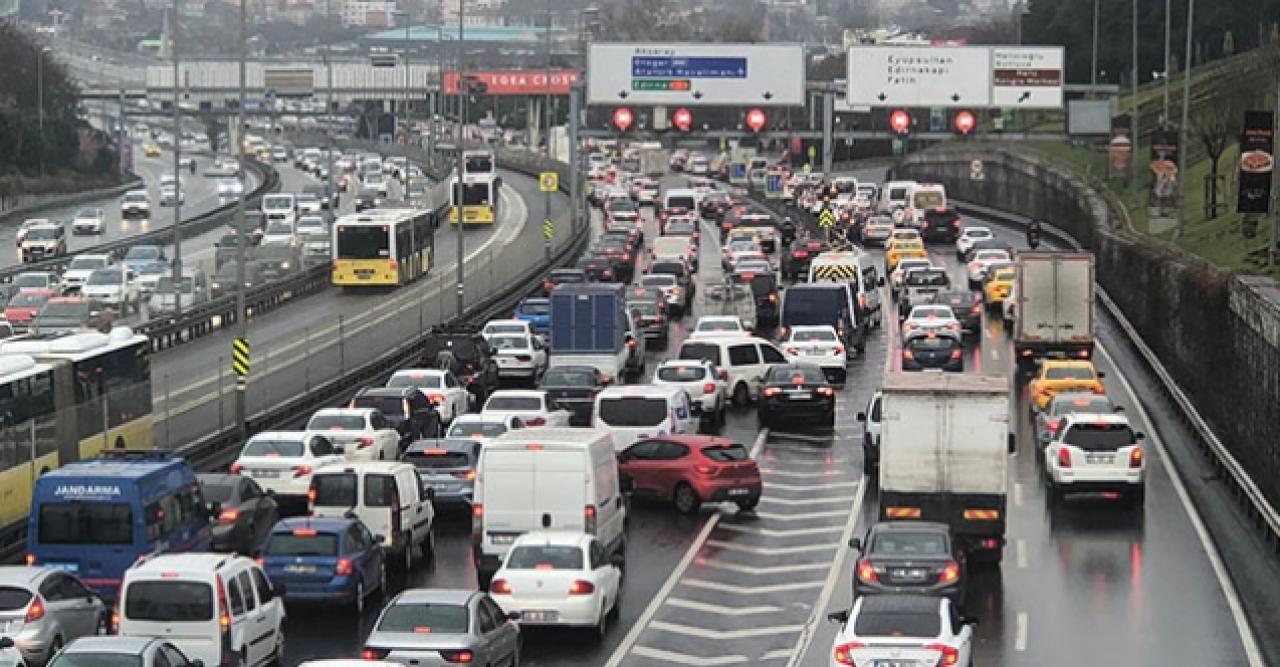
1027 77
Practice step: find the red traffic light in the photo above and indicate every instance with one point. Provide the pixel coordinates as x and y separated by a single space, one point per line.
900 122
623 118
964 122
756 119
682 118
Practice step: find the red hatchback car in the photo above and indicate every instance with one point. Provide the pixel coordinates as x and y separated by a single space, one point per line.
690 470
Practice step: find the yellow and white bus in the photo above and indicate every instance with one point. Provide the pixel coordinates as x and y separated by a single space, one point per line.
479 199
382 247
66 398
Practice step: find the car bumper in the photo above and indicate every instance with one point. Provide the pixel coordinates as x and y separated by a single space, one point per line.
729 490
337 588
1087 481
796 410
956 366
951 590
34 644
518 370
575 611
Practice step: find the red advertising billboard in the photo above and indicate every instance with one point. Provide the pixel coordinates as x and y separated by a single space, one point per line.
512 82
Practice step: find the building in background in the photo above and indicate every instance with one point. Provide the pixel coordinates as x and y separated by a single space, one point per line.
368 13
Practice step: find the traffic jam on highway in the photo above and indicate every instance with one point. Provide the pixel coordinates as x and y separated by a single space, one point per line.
709 372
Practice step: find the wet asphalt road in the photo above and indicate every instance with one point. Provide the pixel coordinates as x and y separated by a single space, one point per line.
1087 582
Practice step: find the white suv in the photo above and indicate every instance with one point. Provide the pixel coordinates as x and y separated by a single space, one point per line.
216 608
819 345
1096 453
705 385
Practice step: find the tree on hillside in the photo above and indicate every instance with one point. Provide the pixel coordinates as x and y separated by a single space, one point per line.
1215 127
29 76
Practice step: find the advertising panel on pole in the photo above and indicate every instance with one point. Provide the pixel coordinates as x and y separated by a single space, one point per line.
1027 77
919 76
1257 162
696 74
1164 169
514 82
1120 147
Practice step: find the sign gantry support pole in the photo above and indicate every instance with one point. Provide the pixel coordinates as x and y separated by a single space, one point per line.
575 176
828 119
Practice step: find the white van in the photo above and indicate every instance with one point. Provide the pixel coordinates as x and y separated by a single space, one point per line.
387 496
216 608
545 479
745 359
641 411
684 198
857 268
895 195
923 197
673 247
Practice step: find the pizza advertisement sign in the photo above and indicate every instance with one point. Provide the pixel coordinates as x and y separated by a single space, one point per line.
1257 162
1164 169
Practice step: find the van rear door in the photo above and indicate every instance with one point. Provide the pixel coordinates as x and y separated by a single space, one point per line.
560 492
180 609
507 481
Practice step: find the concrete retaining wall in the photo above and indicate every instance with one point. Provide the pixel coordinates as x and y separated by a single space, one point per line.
1218 333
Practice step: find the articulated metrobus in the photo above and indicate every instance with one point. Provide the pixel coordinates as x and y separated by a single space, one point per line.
382 247
476 163
479 199
65 398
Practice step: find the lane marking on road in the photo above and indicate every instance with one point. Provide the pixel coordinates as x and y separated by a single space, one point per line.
796 436
684 659
771 532
777 654
1017 494
750 590
1247 639
803 501
833 577
826 514
762 570
703 633
810 487
660 597
771 551
721 609
805 475
1021 545
1020 634
392 308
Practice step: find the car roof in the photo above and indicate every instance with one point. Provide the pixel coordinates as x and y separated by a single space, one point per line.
695 440
1096 417
523 393
191 563
1067 363
641 390
110 644
324 525
900 603
909 526
554 537
451 444
438 595
218 478
16 575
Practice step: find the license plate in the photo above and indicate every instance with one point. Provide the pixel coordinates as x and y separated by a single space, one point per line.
814 351
894 663
909 574
800 396
539 616
266 474
739 492
502 538
300 569
1099 458
73 568
504 362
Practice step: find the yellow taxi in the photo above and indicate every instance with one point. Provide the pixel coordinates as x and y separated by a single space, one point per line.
999 285
152 150
1058 375
900 249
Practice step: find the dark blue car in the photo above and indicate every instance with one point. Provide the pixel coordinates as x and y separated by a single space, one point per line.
537 312
322 560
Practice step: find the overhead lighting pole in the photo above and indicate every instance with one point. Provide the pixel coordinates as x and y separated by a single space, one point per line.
546 132
1133 122
329 188
40 100
177 173
1182 128
242 320
462 120
1168 30
1093 58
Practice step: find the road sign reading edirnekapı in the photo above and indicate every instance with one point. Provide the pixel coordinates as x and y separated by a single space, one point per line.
696 74
1018 77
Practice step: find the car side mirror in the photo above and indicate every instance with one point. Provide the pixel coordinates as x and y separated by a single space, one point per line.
1101 375
431 493
841 617
855 544
1013 443
379 539
861 416
1139 436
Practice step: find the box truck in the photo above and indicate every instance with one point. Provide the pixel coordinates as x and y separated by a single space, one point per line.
1053 306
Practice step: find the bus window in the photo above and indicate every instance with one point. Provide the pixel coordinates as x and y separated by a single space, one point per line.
475 194
363 242
86 523
477 164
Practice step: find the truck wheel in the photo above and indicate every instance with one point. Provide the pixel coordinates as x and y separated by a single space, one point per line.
408 553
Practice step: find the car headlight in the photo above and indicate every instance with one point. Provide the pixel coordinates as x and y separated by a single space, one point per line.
284 265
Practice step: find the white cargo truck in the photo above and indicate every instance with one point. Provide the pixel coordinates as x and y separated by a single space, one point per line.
1053 306
945 442
653 162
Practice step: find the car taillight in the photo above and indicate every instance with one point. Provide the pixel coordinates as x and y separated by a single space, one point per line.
1099 390
536 421
1135 457
224 611
311 494
260 561
1054 426
35 611
581 587
949 655
844 652
465 475
365 441
548 286
1064 458
709 388
589 519
501 586
772 391
826 391
839 349
908 355
950 573
30 559
436 399
344 568
866 572
236 468
301 471
374 653
955 355
227 517
632 344
457 657
704 469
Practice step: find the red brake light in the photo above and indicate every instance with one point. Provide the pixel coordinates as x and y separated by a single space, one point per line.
709 388
844 652
704 469
589 519
344 568
31 560
365 441
1054 425
581 587
35 612
374 653
1135 457
950 573
866 572
224 613
501 586
301 471
772 391
236 468
908 355
955 354
1064 458
463 656
304 532
950 655
228 517
536 421
311 495
477 511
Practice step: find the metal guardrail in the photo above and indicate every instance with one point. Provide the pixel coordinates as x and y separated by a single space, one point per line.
33 209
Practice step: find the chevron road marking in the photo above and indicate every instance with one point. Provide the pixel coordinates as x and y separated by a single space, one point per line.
811 515
768 532
834 461
721 609
685 659
750 590
773 551
763 570
803 501
725 634
805 475
811 487
778 654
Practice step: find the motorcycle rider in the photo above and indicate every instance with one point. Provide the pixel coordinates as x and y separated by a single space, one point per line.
1033 234
788 231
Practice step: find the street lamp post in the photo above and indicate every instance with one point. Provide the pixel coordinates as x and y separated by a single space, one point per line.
1182 128
1133 122
40 100
242 322
1093 58
546 132
328 118
462 119
1168 30
177 174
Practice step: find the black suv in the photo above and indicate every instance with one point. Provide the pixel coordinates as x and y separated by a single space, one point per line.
468 355
941 224
406 408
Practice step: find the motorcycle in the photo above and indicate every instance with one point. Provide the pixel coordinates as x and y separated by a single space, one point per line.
1033 239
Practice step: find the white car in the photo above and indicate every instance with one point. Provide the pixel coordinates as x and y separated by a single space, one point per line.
10 656
135 203
704 383
970 235
559 578
279 232
877 230
441 387
229 187
311 224
512 326
912 630
359 434
115 287
982 260
482 429
28 225
308 202
871 434
376 182
171 195
284 461
79 270
900 272
87 221
937 318
719 325
818 345
519 355
1095 453
530 405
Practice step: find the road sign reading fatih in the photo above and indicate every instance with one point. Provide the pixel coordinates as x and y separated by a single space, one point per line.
240 357
548 229
548 181
826 219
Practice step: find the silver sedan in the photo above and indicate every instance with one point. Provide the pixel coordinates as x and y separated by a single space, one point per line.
43 609
438 627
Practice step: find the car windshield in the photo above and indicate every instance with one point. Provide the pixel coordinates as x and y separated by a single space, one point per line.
425 618
535 307
795 375
166 285
31 280
909 543
335 490
168 601
302 542
506 328
391 406
726 453
681 373
274 252
680 201
1068 373
83 263
563 378
87 213
64 310
644 308
509 342
336 423
135 199
279 228
928 312
666 268
1099 437
1094 403
897 624
632 411
42 233
681 228
514 403
272 448
545 557
106 277
277 202
933 343
720 325
663 280
706 351
977 234
87 659
416 380
217 492
928 278
476 429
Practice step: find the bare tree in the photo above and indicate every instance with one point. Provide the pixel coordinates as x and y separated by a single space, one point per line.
1215 126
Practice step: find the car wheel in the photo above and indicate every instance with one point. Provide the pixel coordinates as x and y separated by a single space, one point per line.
408 553
1137 497
357 602
741 395
429 547
277 655
242 658
602 627
686 499
748 504
55 646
